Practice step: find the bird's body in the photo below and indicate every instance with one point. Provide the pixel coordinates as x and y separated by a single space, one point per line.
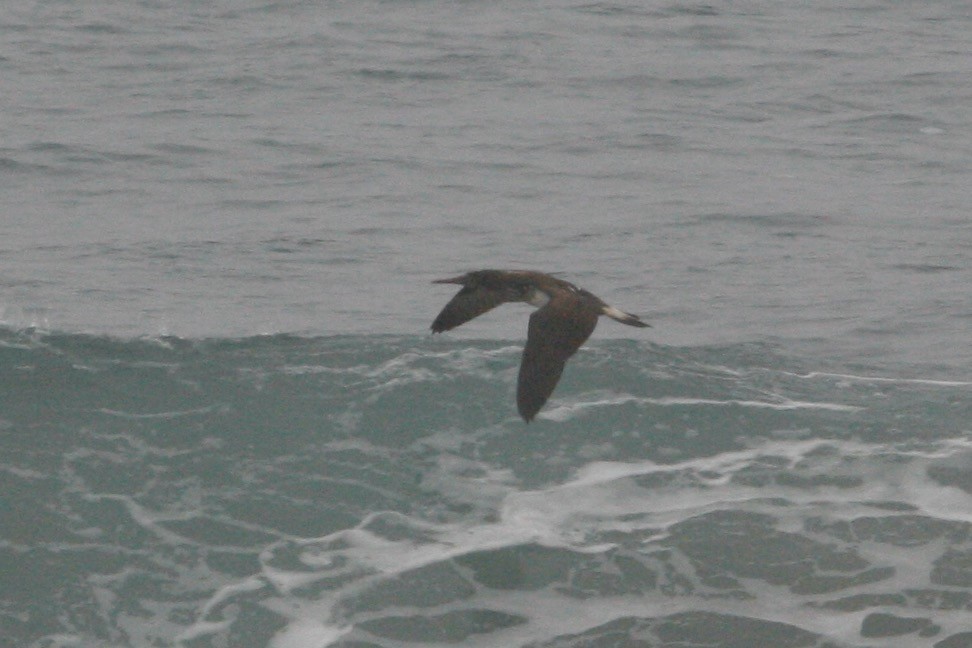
565 317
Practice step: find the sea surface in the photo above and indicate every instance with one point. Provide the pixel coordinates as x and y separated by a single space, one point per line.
224 421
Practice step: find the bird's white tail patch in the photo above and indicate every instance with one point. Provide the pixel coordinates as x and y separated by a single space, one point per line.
624 318
619 315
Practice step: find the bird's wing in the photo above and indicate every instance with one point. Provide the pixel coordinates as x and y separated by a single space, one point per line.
468 303
556 332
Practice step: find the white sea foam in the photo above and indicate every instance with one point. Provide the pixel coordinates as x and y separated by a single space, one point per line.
564 411
611 497
885 379
782 404
308 633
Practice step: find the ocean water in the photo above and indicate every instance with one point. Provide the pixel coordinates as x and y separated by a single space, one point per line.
223 421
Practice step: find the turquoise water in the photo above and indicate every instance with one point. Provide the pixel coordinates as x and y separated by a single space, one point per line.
382 491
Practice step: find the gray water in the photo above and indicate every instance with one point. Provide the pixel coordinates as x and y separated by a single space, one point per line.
735 173
210 206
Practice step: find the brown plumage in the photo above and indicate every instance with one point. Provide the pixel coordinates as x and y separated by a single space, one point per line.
566 317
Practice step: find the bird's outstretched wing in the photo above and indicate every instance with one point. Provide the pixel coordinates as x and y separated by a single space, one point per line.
556 332
468 303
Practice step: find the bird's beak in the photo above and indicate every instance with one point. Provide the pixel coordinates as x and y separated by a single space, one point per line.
453 280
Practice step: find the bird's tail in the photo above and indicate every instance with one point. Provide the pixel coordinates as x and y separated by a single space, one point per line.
624 318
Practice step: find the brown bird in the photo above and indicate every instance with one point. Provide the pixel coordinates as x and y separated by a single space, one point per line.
565 318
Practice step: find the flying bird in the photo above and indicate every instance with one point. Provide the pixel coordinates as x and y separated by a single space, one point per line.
565 317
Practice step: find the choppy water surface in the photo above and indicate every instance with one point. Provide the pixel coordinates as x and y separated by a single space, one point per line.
223 422
382 491
736 173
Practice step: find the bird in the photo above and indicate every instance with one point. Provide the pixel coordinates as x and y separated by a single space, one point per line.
565 317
